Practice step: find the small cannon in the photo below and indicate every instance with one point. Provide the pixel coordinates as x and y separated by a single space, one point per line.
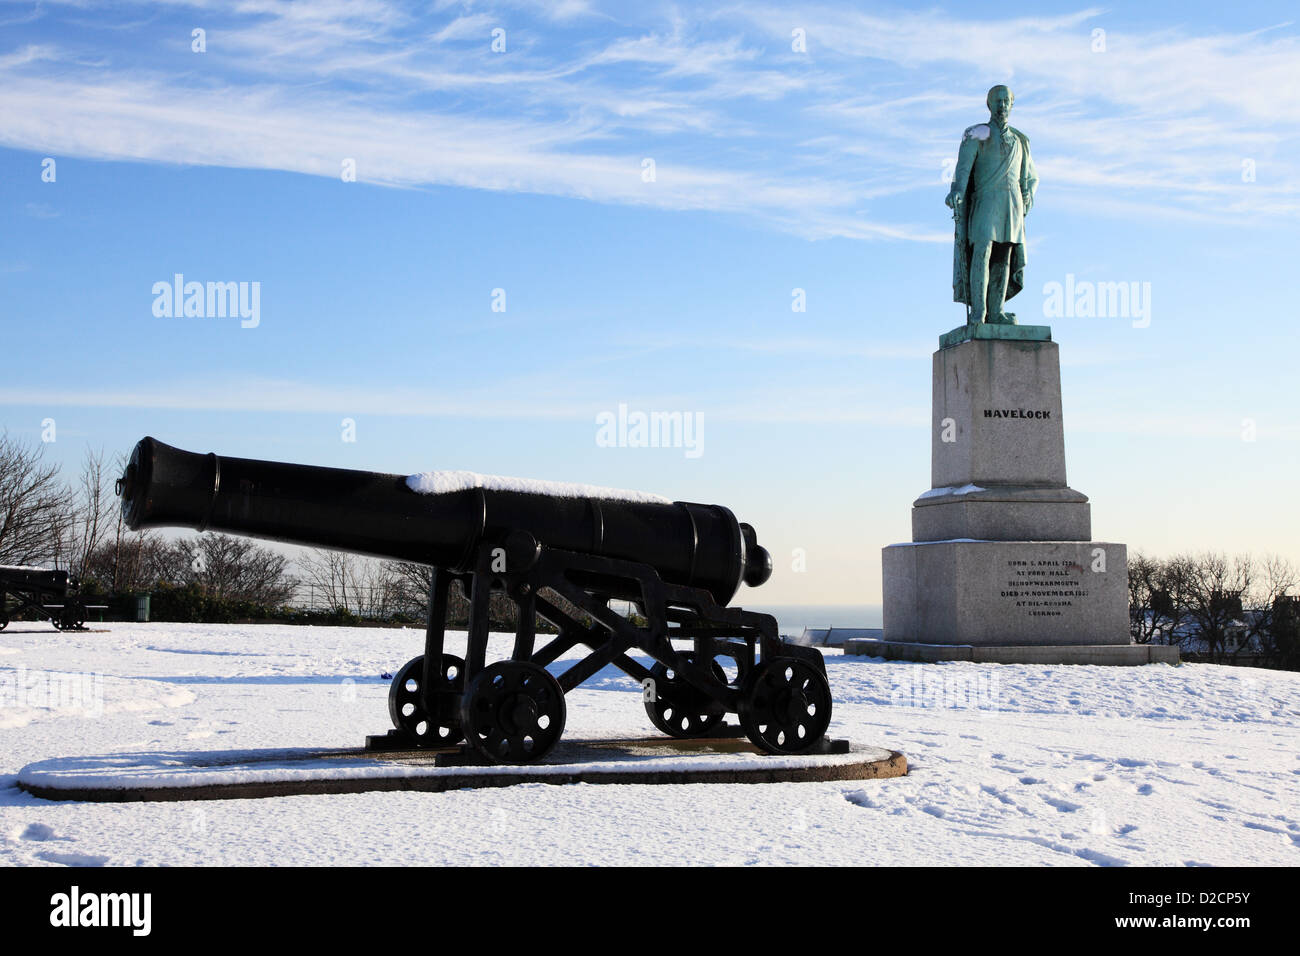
50 594
679 563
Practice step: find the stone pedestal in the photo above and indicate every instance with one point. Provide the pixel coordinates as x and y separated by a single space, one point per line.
1006 592
1001 556
996 407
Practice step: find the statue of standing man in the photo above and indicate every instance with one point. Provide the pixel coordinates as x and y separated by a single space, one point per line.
991 192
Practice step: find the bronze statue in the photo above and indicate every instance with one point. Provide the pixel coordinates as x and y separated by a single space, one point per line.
991 192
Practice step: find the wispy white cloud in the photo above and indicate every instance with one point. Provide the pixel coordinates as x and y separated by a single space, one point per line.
788 401
1162 115
819 143
789 345
475 26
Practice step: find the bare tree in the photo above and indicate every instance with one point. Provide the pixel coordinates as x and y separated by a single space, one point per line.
92 518
333 576
412 582
235 569
382 591
1271 607
127 562
1220 605
1158 598
164 562
1143 574
1217 588
1170 602
35 506
361 585
1281 647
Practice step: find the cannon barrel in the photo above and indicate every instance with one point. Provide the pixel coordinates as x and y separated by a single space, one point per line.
696 545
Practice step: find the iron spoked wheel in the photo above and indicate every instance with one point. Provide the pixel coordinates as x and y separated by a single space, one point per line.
513 712
73 618
406 706
785 706
681 710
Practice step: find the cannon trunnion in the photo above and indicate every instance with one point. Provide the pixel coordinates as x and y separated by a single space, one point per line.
561 556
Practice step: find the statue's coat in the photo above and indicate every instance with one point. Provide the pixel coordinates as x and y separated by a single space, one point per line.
996 176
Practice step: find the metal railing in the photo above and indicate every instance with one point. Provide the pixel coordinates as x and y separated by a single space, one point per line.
364 601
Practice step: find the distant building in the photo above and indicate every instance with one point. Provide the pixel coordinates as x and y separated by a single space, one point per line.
1239 643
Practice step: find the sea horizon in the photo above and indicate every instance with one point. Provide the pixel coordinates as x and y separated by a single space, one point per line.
791 619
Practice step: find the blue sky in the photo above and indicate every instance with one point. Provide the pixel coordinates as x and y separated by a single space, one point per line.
774 170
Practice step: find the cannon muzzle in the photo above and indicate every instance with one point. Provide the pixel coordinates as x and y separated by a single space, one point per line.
381 515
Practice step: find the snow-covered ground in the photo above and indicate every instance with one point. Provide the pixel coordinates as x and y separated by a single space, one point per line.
1010 764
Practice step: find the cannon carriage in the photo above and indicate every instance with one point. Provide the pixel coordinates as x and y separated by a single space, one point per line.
557 552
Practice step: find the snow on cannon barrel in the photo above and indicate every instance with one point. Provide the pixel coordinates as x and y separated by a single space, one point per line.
557 551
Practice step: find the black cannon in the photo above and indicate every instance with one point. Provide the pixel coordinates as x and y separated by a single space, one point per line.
50 594
557 554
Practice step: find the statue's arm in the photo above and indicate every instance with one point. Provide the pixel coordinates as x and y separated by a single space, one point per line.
965 161
1028 177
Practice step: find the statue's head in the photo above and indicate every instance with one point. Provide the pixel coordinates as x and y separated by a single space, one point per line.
1000 100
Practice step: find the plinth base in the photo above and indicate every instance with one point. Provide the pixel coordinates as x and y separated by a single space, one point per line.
1113 655
996 331
244 774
